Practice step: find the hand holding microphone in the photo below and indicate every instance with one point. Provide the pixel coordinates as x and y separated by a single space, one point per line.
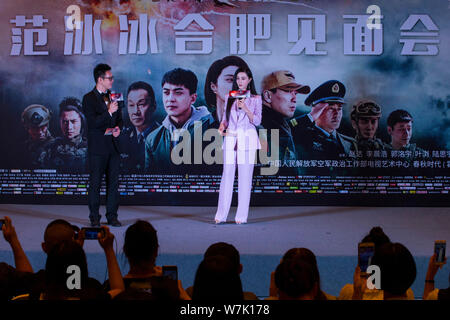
115 98
240 95
113 106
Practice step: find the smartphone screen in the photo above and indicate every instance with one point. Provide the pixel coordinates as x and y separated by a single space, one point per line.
171 272
365 254
91 233
2 222
439 250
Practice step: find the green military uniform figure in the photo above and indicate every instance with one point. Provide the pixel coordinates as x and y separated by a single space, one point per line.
35 119
66 154
69 151
365 116
400 124
279 92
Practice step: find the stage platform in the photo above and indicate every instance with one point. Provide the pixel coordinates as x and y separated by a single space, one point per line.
184 233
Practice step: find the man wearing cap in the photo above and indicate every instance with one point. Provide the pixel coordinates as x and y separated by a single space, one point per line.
35 119
365 116
399 127
315 134
279 93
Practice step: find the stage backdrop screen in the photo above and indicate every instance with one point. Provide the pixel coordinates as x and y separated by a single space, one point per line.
355 95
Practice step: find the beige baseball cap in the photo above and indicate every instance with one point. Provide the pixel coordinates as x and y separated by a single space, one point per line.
283 79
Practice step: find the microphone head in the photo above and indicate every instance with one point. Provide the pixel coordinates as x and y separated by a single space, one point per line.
239 94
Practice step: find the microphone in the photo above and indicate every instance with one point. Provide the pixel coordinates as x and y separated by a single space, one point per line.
239 94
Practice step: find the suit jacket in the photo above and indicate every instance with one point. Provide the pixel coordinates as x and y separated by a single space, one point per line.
241 131
98 120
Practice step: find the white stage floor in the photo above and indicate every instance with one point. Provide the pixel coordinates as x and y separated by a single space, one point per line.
327 231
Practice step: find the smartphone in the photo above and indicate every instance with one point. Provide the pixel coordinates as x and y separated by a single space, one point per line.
366 251
92 233
171 272
439 250
2 222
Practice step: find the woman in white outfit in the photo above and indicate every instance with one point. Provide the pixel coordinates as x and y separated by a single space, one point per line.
238 126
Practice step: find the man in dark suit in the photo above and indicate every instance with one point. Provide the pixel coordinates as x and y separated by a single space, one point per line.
104 121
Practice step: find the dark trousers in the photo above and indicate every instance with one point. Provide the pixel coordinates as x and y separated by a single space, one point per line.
98 165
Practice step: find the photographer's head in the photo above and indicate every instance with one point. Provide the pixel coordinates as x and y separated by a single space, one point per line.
397 267
296 280
57 231
226 250
216 280
65 254
141 244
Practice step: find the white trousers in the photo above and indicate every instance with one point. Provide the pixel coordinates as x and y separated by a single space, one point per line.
245 162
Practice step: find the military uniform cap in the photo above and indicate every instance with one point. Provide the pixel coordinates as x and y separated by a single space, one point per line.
330 91
36 115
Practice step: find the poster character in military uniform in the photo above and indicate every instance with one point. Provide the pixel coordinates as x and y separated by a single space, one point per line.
179 93
35 119
365 116
141 105
315 134
399 127
69 151
279 94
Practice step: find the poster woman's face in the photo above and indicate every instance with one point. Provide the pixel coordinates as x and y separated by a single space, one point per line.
224 82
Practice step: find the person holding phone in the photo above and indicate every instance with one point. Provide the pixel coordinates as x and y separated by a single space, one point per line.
437 261
104 122
238 126
145 280
376 236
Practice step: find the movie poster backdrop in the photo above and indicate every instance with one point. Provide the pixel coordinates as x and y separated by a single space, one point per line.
356 98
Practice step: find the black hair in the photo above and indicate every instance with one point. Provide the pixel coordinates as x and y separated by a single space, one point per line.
295 278
60 257
214 72
56 231
73 104
377 236
182 77
251 84
398 116
144 86
216 281
141 243
226 250
100 71
306 255
397 267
